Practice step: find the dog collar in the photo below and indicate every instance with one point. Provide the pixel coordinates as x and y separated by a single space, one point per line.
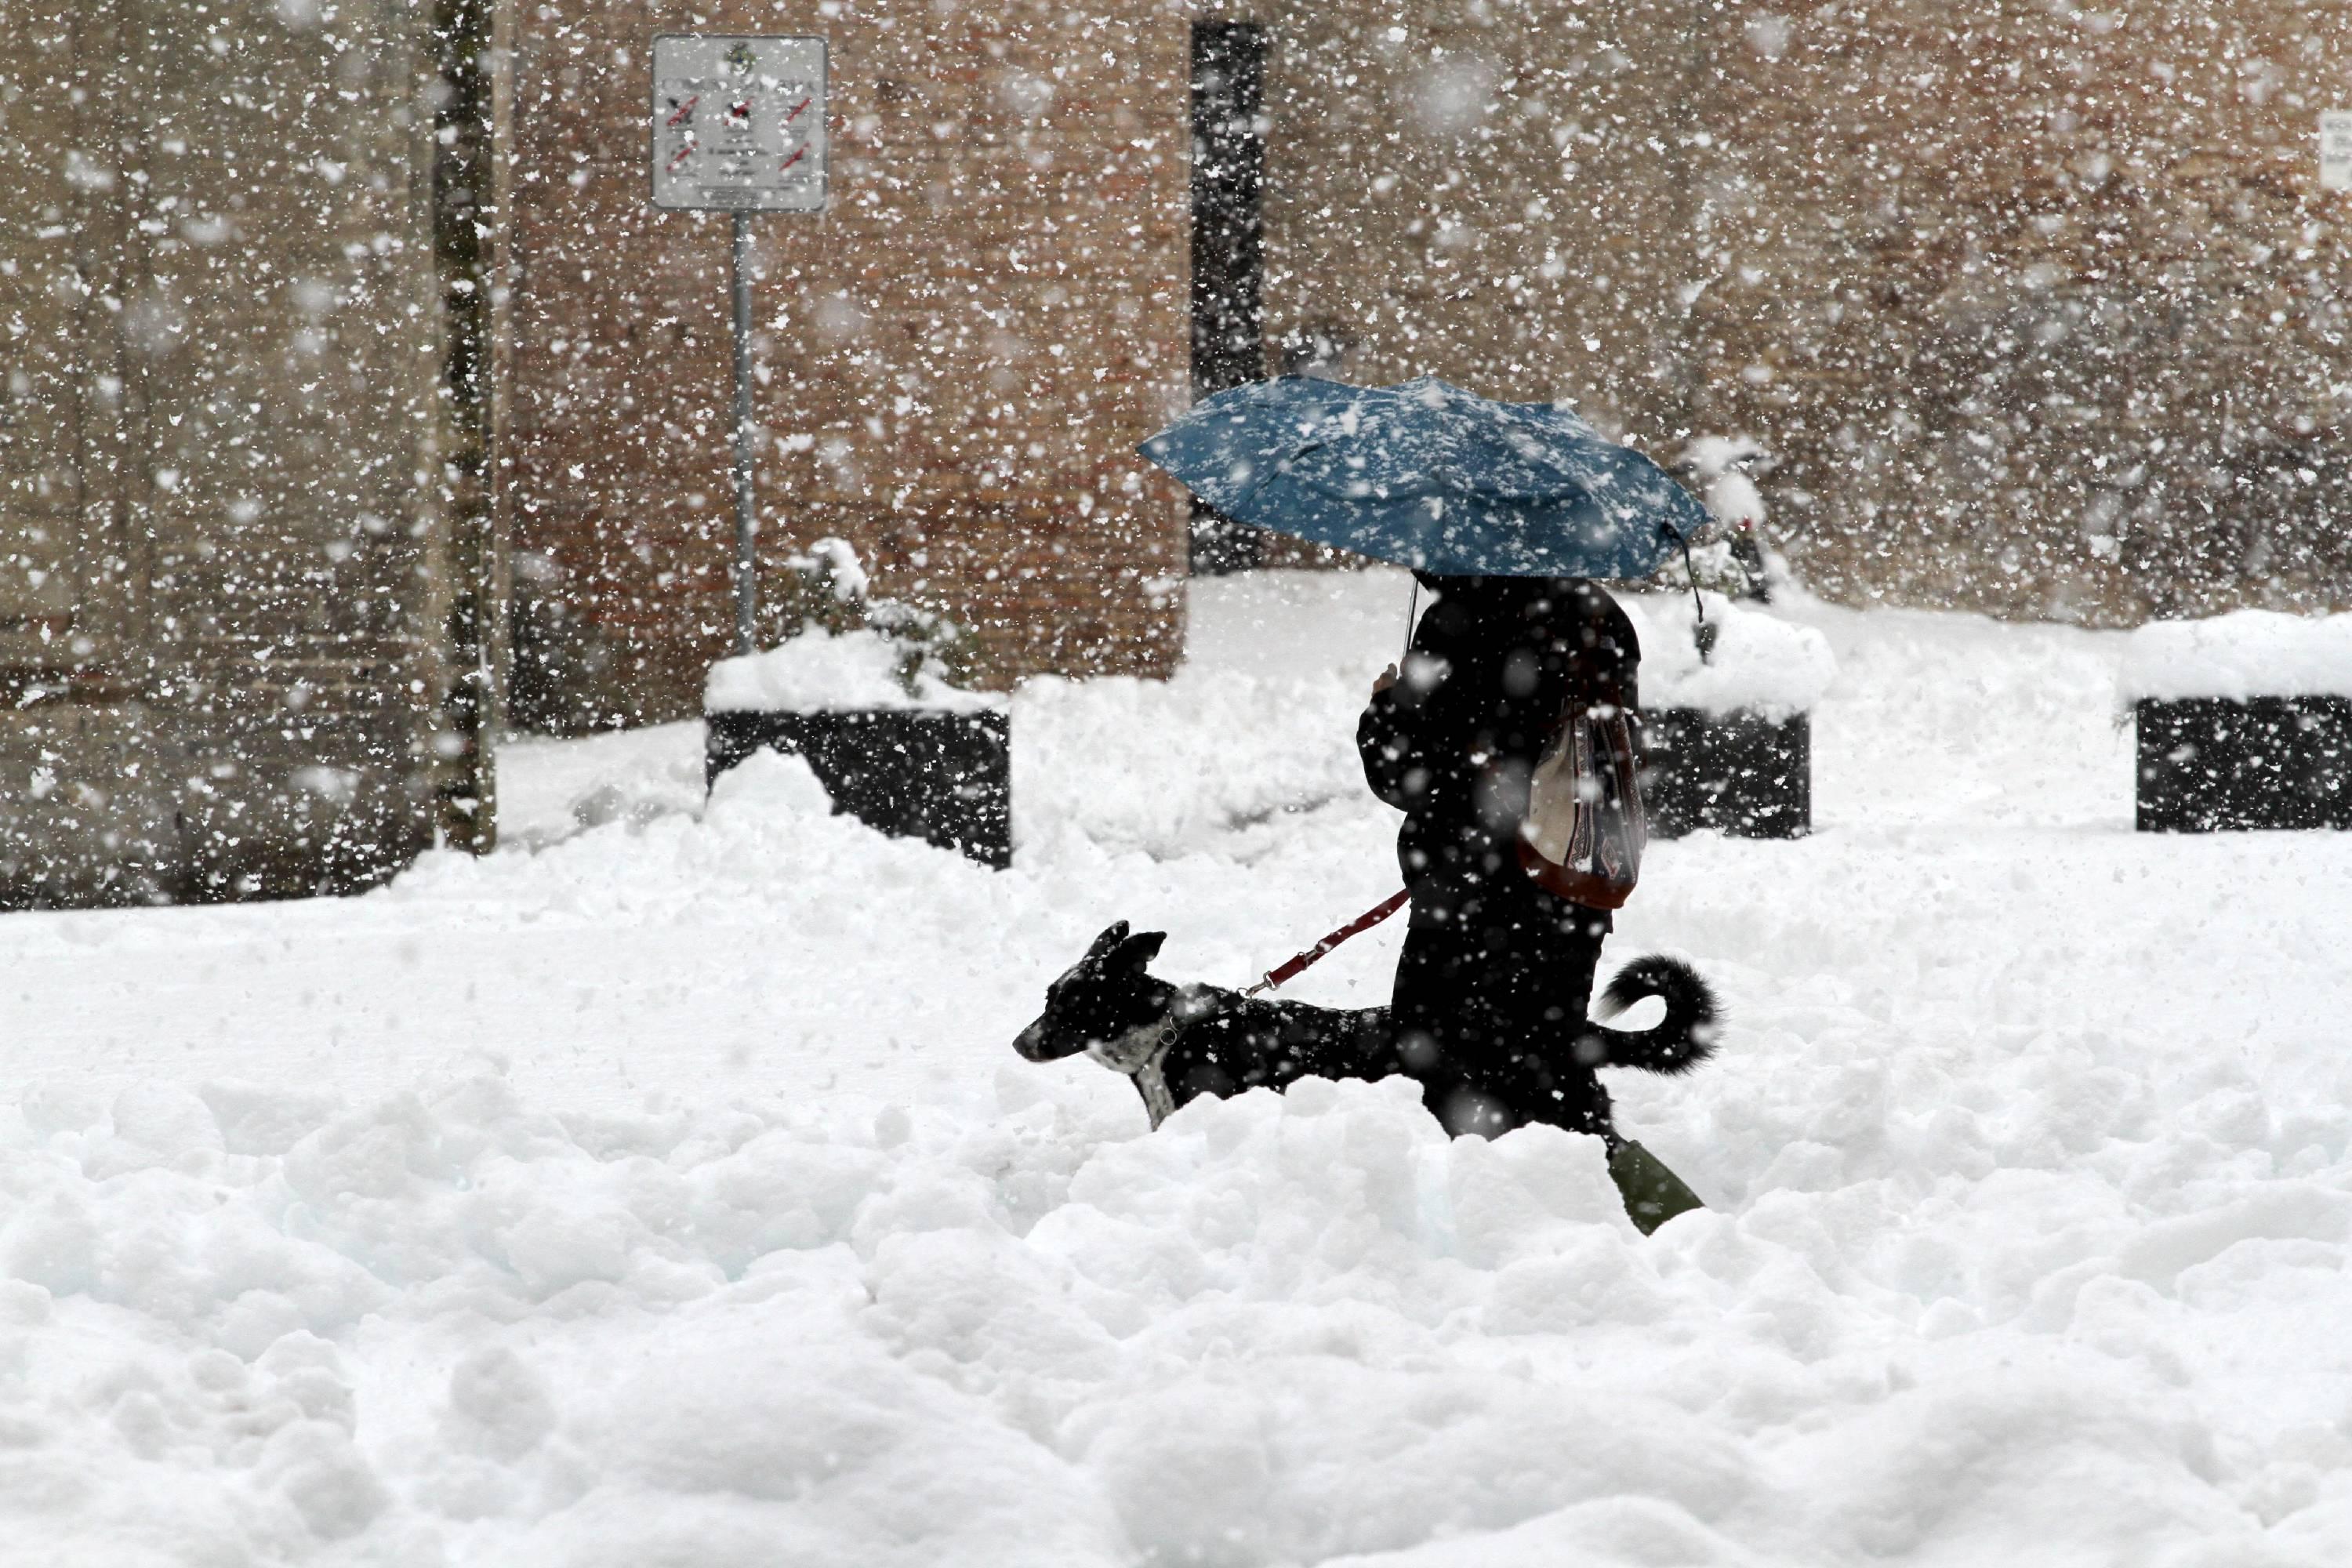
1141 1053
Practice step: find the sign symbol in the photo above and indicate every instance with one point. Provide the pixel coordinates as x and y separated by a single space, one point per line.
736 124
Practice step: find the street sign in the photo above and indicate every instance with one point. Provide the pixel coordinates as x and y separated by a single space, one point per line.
2336 149
739 124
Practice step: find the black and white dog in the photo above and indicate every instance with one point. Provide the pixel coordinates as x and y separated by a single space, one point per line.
1180 1042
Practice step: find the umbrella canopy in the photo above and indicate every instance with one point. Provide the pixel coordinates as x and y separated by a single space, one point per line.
1431 476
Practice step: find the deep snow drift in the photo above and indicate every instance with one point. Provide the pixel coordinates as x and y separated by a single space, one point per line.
665 1191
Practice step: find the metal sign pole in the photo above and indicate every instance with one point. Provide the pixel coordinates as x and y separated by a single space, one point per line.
747 580
739 126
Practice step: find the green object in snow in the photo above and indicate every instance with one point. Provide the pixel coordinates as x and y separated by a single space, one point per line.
1652 1193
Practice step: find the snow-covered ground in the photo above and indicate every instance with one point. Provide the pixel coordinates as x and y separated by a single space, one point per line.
664 1191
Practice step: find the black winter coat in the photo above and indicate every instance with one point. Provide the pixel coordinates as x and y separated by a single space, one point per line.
1492 986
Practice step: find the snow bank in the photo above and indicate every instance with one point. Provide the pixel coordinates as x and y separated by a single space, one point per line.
550 789
2247 653
1213 755
1253 734
1760 661
798 1334
817 672
666 1191
440 1326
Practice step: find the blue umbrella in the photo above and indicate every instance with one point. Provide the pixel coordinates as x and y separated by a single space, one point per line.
1431 476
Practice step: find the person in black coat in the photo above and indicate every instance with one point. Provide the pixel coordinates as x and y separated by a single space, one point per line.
1496 972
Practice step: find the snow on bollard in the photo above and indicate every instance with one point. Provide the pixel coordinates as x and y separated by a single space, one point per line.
864 691
936 764
2244 721
1730 735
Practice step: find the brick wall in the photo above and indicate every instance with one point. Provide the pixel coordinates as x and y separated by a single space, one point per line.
223 592
2044 307
2038 309
956 358
2041 310
1487 194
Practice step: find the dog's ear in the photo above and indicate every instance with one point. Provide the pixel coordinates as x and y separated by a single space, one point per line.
1138 951
1113 934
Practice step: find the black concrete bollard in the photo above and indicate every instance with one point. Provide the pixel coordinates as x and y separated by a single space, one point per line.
1739 773
942 776
2212 764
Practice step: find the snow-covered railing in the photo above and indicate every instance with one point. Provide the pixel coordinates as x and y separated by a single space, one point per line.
2244 721
1730 733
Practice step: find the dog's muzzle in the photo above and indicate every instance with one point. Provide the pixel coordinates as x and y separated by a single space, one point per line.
1034 1044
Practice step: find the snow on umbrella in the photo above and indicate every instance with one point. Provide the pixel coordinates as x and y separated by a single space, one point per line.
1431 476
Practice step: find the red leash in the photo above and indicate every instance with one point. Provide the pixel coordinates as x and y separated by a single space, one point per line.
1356 927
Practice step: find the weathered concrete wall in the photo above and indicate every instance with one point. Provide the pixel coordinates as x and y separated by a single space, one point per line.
956 359
224 586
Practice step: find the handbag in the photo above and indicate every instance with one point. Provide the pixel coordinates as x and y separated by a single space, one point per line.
1584 830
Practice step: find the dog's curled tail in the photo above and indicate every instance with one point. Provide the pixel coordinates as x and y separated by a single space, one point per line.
1684 1037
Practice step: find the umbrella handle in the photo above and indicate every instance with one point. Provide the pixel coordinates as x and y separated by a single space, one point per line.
1699 633
1412 609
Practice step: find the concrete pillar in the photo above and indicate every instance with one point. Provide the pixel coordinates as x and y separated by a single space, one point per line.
226 554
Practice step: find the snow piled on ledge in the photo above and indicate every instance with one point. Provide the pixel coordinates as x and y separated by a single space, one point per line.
817 672
2246 653
1761 661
